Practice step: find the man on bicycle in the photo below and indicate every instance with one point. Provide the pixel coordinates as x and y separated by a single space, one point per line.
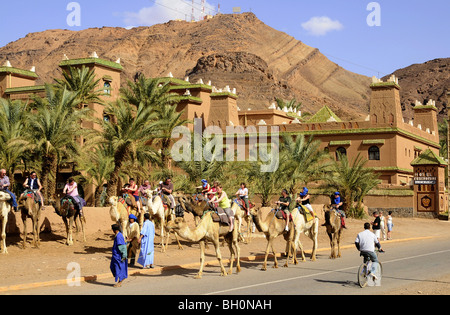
365 242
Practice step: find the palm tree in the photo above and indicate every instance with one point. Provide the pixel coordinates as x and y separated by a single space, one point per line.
97 164
155 94
128 131
204 169
52 129
443 138
290 104
352 179
265 184
83 82
301 161
13 146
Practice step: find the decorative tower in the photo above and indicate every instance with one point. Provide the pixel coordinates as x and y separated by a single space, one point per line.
385 106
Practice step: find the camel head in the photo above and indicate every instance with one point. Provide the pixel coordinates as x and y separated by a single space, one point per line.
113 211
113 200
67 208
176 224
149 193
4 196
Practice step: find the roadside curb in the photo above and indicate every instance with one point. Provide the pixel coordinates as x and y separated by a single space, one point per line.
158 270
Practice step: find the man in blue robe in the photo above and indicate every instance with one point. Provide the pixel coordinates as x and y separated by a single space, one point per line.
147 254
119 263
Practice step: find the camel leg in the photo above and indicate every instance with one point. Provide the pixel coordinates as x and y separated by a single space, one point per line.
34 224
180 247
70 239
83 222
238 255
275 263
264 267
338 240
332 254
294 248
24 235
4 250
233 254
67 230
219 257
289 245
163 249
38 230
202 260
313 238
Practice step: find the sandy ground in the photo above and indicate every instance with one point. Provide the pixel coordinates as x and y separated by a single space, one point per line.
50 261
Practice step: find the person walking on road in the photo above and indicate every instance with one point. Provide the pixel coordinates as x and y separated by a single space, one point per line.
119 262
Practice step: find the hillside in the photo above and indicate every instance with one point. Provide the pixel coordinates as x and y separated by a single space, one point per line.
235 50
429 80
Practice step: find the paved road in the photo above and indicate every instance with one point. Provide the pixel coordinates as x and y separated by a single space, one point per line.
404 263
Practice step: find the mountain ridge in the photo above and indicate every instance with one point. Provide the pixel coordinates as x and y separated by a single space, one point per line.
260 62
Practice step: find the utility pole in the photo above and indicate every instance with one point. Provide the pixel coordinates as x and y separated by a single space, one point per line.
448 153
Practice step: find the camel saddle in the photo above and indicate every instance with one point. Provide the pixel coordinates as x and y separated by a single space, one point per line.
219 215
279 214
305 211
31 194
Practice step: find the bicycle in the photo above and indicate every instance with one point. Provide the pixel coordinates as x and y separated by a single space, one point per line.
364 270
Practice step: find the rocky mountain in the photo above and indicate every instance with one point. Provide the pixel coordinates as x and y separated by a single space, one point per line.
236 50
422 82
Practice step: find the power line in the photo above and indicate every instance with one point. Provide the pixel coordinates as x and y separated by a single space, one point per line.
357 65
184 13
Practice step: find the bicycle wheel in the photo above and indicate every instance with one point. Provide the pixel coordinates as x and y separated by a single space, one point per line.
362 275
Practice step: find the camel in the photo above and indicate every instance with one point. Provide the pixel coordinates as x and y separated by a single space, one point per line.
70 213
30 208
119 214
208 230
198 208
5 208
157 210
272 228
310 229
334 230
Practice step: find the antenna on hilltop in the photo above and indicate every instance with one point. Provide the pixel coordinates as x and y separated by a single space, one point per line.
203 9
192 15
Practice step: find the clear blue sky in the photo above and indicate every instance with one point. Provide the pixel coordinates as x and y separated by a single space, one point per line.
411 31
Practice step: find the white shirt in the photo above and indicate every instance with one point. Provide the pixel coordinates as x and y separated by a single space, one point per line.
367 241
243 192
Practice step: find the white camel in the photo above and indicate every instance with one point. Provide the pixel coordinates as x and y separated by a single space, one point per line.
156 210
310 229
119 214
5 208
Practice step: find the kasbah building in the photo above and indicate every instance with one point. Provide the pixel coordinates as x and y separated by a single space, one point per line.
405 154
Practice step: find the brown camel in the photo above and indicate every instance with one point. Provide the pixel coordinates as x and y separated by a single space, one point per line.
197 205
30 208
5 208
68 210
208 230
334 230
272 228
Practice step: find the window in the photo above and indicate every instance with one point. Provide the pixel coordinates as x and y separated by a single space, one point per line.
107 88
374 153
340 150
